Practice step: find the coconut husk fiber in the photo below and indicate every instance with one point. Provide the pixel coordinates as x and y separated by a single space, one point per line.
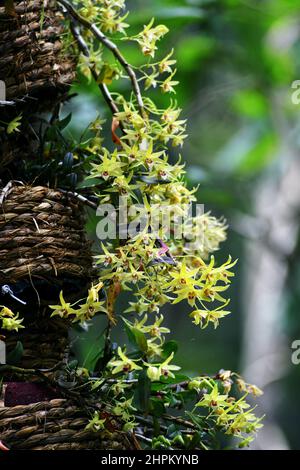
42 235
59 424
32 59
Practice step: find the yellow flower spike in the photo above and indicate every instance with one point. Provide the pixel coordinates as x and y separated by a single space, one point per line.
168 85
184 269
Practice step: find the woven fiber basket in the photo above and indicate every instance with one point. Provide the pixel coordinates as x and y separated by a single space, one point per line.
57 425
41 235
43 343
31 58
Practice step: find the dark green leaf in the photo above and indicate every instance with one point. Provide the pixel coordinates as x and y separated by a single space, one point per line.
178 379
16 354
64 122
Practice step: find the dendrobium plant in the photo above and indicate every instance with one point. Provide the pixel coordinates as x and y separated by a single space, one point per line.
173 262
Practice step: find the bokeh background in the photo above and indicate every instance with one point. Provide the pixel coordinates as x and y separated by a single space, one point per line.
237 60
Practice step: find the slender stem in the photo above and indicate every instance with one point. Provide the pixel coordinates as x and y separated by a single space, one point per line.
181 421
112 47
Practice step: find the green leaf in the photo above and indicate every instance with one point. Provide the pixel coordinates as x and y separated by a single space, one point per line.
158 386
157 407
42 17
178 440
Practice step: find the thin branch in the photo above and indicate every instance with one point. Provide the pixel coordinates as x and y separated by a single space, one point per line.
112 47
143 438
19 371
6 190
80 198
108 98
